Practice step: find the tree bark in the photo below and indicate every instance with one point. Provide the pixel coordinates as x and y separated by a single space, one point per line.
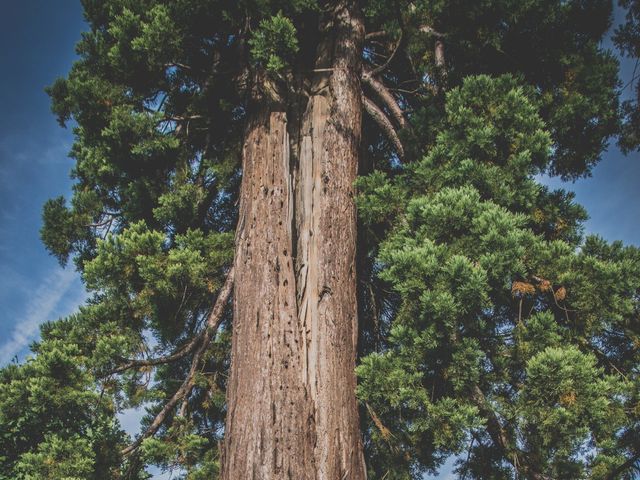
292 411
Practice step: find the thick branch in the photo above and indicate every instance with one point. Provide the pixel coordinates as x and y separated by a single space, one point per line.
151 362
430 31
384 123
496 432
441 66
375 35
439 54
213 322
386 97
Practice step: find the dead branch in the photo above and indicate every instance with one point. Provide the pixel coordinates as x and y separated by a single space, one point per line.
177 65
178 119
213 322
384 123
384 431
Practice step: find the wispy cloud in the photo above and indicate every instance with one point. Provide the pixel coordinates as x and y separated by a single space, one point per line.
53 298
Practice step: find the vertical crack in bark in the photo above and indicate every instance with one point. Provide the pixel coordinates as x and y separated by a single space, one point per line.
307 227
264 391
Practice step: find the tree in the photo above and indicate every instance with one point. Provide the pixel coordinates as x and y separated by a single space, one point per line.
627 39
507 340
213 217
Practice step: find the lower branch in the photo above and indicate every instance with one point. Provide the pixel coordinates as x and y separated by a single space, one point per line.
386 97
151 362
384 123
213 322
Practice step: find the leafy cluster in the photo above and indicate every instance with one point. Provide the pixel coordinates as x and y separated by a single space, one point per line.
554 47
274 41
509 334
54 424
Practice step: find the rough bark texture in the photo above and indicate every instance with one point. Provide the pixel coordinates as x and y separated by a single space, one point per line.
291 394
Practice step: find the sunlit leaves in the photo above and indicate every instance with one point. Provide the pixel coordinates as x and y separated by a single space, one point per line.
274 42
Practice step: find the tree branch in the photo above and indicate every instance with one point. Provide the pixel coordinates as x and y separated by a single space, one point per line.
441 66
151 362
384 431
213 322
375 35
177 65
430 31
386 97
178 119
494 427
384 66
425 28
384 123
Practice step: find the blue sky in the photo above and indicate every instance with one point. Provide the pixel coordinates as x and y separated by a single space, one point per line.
37 38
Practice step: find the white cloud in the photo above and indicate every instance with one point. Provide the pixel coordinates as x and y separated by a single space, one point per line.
52 299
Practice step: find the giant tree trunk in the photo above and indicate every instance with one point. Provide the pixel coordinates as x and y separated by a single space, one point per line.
292 411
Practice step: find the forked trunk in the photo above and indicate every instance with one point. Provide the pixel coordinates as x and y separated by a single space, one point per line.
291 394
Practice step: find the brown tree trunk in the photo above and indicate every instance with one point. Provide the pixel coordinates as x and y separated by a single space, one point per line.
292 411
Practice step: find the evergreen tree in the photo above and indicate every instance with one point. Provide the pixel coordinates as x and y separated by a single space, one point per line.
511 338
213 218
627 39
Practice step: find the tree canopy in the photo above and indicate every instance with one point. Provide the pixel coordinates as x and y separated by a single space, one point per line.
491 327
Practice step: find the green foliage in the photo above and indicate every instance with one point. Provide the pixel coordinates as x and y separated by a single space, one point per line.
490 328
157 39
502 319
66 459
565 396
53 424
551 46
274 43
